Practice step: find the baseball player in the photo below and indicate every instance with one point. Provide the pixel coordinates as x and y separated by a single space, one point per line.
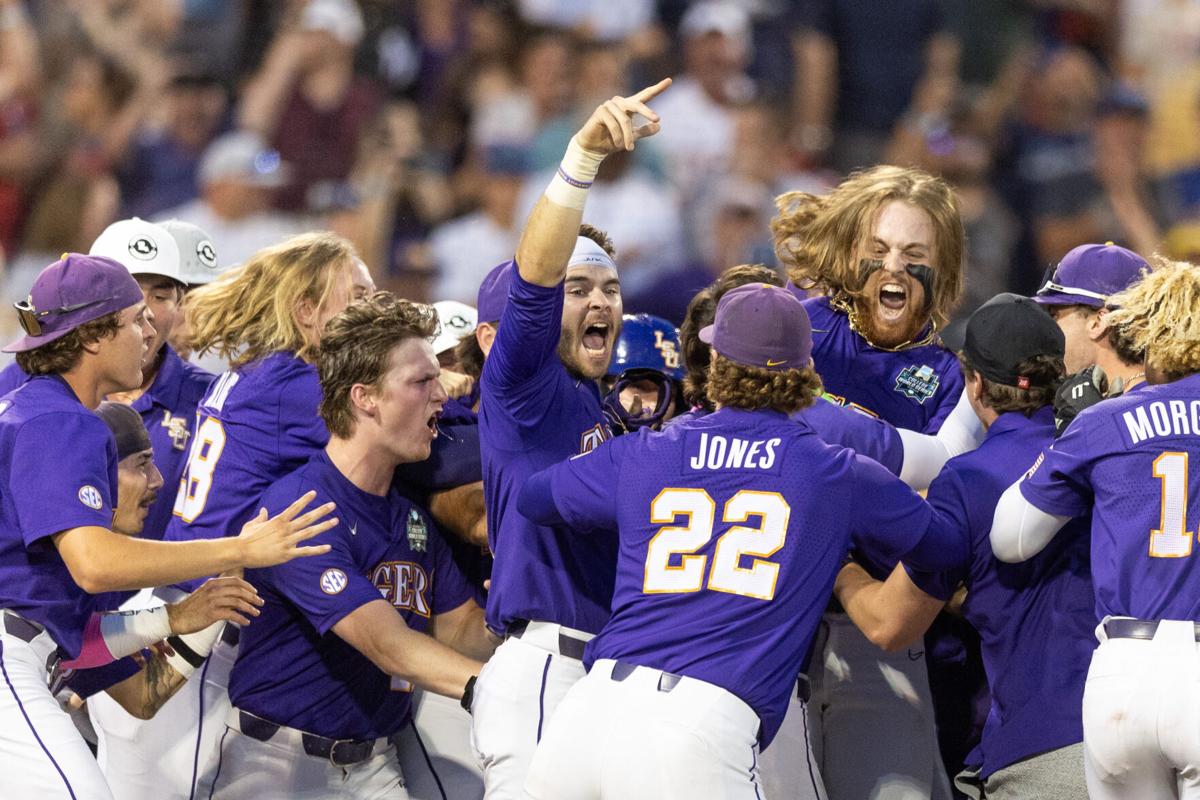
87 333
550 590
885 249
1101 362
199 265
257 423
645 379
142 684
1127 460
323 677
1035 619
727 557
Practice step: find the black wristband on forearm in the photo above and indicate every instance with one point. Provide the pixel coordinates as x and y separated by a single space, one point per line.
468 694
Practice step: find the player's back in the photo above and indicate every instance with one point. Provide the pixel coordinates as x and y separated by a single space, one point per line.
732 592
255 425
1139 457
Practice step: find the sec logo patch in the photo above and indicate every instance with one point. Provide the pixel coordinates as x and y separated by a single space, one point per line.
90 496
333 581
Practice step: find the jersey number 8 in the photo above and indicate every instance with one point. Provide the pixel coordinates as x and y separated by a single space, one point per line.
198 476
727 573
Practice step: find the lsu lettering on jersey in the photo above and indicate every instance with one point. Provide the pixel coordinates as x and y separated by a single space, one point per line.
532 414
915 388
732 528
291 668
1134 461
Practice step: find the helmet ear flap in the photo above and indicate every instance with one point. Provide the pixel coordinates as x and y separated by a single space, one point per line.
619 417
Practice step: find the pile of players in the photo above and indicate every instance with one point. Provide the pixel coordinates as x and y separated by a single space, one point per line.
708 567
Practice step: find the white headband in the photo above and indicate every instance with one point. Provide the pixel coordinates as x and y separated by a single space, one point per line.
589 254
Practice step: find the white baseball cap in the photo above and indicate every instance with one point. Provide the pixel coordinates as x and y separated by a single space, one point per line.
198 262
340 18
457 319
141 247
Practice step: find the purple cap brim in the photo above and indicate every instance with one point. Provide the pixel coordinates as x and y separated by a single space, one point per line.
1063 299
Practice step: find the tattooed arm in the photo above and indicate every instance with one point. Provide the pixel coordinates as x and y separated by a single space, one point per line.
144 693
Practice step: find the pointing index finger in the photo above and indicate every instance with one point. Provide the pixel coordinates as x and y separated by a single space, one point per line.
650 92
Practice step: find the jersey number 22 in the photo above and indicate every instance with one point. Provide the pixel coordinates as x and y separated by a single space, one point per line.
726 573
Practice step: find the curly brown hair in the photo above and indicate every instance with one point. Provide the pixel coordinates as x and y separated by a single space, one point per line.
356 346
1157 316
1045 373
700 313
61 355
736 385
469 355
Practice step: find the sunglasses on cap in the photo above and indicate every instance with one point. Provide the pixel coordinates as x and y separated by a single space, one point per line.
1048 285
30 317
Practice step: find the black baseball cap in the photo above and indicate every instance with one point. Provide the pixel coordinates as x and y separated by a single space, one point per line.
1007 330
126 426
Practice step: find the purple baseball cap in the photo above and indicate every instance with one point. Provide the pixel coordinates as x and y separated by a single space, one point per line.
1089 274
71 291
493 292
763 326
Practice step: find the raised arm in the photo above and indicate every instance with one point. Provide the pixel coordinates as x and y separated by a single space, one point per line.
553 226
378 631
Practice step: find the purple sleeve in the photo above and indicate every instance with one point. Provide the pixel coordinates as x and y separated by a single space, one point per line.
948 497
455 460
1059 481
889 519
867 436
527 338
302 432
324 588
585 486
450 586
62 475
87 682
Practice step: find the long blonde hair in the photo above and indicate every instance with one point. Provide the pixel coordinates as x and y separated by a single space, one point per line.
251 311
818 238
1158 316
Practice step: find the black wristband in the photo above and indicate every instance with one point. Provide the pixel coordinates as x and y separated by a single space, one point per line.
468 694
183 651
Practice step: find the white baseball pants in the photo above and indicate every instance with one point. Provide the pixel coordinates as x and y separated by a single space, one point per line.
42 754
435 751
788 769
1141 716
631 740
516 695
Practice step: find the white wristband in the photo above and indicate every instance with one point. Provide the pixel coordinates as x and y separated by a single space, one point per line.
127 632
192 648
569 186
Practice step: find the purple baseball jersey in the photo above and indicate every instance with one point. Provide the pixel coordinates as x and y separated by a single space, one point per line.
59 463
168 410
916 388
532 414
1129 461
254 426
1036 619
291 669
11 377
732 528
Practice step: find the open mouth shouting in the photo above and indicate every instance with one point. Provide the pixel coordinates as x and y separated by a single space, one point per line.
893 300
595 339
432 424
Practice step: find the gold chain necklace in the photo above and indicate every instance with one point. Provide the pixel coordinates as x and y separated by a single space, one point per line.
841 303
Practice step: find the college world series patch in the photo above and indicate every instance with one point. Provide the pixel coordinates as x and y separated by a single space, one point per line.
919 383
418 534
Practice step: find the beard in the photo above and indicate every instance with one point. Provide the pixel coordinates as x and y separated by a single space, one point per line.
877 323
569 346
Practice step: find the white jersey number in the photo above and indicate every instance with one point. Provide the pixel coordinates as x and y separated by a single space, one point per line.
197 479
1171 538
727 573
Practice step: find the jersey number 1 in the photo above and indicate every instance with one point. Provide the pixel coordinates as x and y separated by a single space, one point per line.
1171 538
727 573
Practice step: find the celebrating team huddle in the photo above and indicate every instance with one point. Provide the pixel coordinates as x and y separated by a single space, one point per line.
569 553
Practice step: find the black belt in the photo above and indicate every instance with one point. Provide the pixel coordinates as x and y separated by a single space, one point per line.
340 752
803 688
27 631
567 645
666 680
1137 629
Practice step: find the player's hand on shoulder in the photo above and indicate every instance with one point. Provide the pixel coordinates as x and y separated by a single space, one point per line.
610 127
228 599
1079 391
266 542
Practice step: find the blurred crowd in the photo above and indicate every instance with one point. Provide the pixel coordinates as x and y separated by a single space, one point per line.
424 130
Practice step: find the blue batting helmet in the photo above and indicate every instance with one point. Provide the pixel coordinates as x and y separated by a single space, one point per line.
647 342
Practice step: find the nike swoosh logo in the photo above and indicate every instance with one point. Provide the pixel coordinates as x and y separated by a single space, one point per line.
915 656
354 529
771 363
